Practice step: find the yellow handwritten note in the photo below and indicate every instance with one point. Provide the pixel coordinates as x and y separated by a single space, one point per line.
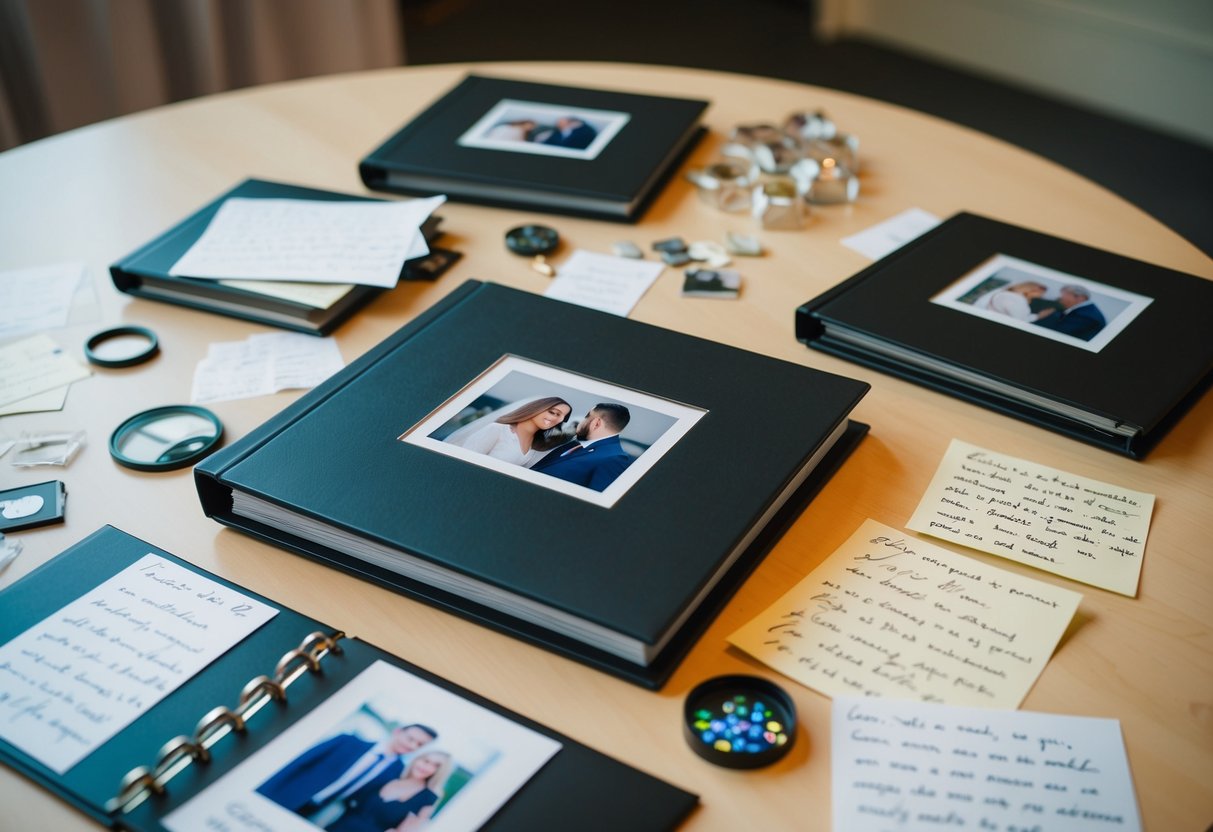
1075 527
887 615
34 365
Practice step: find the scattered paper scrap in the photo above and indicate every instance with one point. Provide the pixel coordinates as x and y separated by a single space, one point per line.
1076 527
310 241
603 281
264 364
886 615
38 298
888 236
35 365
908 765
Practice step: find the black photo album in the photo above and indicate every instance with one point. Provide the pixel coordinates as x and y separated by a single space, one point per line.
586 482
521 144
153 695
1085 342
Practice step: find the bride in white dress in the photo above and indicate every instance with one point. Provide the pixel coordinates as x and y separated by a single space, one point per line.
523 435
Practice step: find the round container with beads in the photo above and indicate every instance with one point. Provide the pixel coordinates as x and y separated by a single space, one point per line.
739 721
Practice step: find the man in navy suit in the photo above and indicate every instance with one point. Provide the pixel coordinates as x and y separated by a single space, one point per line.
341 765
595 458
1078 316
571 132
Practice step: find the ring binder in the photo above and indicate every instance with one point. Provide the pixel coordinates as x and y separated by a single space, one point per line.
180 751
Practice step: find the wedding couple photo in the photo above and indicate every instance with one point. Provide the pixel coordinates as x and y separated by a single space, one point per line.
558 429
1053 304
531 127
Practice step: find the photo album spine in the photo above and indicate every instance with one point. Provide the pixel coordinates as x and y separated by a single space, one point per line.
144 781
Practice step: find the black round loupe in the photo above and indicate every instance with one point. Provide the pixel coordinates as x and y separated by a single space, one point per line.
739 721
166 438
122 346
530 240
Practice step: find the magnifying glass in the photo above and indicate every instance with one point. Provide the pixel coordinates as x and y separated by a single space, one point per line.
166 438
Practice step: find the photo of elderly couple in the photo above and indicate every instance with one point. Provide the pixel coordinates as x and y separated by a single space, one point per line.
555 428
532 127
1044 301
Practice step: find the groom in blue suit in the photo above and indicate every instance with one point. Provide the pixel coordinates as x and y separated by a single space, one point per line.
339 766
1078 317
595 458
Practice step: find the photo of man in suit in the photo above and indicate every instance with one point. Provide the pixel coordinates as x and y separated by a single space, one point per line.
1078 318
339 766
595 457
571 132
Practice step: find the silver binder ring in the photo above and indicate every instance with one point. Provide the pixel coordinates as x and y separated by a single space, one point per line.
215 719
286 665
135 781
317 643
258 686
176 748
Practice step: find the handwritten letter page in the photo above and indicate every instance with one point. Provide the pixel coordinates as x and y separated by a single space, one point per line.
35 365
906 765
78 677
603 281
887 615
1069 525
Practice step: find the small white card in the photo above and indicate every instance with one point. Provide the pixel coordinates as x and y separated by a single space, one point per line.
888 236
81 675
264 364
886 615
37 298
1073 526
35 365
603 281
907 765
310 241
477 761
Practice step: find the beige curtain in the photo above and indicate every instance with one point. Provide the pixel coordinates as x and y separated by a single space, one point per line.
67 63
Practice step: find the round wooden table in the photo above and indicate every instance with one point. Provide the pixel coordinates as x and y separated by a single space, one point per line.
96 193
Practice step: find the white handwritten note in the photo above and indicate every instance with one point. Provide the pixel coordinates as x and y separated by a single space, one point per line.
603 281
906 765
75 679
1076 527
263 364
888 236
887 615
310 241
37 298
35 365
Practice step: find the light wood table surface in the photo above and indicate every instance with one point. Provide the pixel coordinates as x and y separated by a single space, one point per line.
96 193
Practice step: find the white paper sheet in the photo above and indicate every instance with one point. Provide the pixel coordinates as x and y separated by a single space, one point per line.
492 754
603 281
1073 526
37 298
906 765
888 236
890 615
310 241
75 679
35 365
264 364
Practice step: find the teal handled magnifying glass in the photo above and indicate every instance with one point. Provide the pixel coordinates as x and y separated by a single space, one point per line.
166 438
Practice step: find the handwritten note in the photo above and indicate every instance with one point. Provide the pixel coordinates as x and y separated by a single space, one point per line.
1076 527
37 298
603 281
906 765
310 241
34 365
887 615
263 364
76 678
888 236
